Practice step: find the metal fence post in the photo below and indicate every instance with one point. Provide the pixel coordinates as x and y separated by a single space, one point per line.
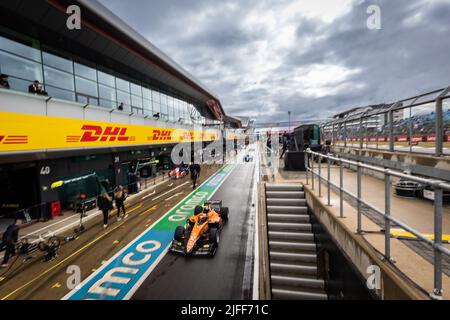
439 150
312 170
410 130
328 181
341 188
387 212
359 187
361 134
320 176
307 167
345 134
438 194
391 131
333 137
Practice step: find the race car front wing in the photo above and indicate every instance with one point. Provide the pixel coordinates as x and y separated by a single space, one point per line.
199 250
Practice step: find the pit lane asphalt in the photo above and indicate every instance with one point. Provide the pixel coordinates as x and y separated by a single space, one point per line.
210 278
38 280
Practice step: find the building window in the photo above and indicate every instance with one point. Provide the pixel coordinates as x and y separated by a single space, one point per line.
136 90
85 72
86 87
106 79
19 67
136 101
20 49
58 78
57 62
19 84
108 104
85 99
60 93
147 93
122 85
107 93
148 108
124 97
68 80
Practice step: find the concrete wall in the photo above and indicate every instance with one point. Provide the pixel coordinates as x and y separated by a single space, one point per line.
393 286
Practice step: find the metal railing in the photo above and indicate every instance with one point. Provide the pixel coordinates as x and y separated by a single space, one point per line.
264 153
439 186
390 125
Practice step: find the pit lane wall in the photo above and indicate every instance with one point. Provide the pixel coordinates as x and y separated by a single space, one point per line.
392 285
31 123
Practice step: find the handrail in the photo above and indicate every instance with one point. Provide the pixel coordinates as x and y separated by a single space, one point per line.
334 127
438 185
264 238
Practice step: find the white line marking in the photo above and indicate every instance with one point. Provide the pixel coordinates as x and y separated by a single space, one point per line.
256 230
149 195
175 195
162 195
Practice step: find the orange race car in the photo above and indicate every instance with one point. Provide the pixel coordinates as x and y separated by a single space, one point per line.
201 234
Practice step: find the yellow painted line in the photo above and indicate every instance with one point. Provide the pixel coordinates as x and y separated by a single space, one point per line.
2 278
67 258
406 234
93 270
148 211
56 286
116 242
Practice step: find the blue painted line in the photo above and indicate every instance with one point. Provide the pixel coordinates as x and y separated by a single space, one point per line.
121 276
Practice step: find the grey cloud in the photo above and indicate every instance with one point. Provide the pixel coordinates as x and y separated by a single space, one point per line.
211 40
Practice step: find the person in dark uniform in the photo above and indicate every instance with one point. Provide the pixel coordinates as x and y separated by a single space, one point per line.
4 84
10 238
36 88
120 197
105 202
195 173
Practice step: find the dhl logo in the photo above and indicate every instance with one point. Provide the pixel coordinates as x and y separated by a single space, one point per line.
188 136
162 135
13 139
98 133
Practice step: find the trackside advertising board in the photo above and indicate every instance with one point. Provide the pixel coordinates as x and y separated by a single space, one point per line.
121 276
26 132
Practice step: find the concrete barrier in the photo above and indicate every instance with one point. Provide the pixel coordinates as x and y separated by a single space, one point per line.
393 285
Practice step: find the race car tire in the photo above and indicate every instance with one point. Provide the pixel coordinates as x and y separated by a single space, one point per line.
214 236
179 233
198 210
224 213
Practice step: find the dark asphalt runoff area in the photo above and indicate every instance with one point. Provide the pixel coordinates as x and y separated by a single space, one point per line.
210 278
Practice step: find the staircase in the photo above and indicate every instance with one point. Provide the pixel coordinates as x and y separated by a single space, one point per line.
292 249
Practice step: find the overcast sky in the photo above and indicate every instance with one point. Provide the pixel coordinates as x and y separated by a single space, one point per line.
313 57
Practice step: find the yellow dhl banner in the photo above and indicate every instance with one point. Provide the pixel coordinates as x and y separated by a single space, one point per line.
25 132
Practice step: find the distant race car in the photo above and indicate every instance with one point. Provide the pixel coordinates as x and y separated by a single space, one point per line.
179 172
248 158
201 234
